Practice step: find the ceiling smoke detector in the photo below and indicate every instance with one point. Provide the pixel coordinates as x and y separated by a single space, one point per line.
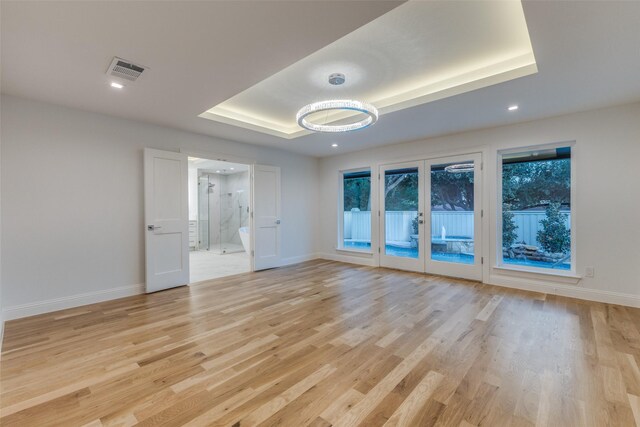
124 69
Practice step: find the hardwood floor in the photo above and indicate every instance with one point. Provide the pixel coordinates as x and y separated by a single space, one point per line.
324 343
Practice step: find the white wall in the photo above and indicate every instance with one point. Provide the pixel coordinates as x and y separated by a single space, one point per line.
72 202
606 153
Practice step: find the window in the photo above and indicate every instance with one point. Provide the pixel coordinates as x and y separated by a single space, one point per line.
536 227
356 210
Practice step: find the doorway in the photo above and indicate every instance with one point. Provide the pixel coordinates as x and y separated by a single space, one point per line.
219 216
430 216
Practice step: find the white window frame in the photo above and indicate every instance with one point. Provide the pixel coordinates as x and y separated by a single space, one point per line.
340 245
500 264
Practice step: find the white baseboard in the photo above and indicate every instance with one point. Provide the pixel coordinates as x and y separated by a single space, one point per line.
350 259
40 307
298 259
524 283
571 291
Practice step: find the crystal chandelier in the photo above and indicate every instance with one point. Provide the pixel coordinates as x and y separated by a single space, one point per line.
337 105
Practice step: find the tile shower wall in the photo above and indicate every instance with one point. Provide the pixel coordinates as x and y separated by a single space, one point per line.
234 202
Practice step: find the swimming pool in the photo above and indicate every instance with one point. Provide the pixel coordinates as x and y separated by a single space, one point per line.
413 252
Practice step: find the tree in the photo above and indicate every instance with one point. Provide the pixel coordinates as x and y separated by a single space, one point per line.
452 190
357 194
509 227
401 192
533 184
554 237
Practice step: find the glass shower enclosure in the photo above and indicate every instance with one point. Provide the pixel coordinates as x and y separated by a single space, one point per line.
222 210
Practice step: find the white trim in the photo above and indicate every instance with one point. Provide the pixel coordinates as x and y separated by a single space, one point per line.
533 270
567 290
213 155
47 306
297 259
349 259
354 251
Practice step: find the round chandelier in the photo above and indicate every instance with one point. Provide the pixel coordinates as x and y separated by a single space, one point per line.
337 105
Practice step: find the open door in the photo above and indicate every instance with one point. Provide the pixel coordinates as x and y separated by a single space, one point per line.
266 217
166 214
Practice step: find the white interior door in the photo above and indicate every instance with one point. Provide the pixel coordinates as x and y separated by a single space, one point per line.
453 216
166 210
266 217
401 216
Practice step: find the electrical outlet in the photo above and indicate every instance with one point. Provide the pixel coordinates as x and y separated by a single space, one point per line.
589 272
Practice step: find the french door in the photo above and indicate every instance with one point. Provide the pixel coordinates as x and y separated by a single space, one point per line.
430 216
402 216
453 211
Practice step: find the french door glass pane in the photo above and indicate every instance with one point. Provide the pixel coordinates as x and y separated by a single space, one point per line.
452 212
356 230
401 212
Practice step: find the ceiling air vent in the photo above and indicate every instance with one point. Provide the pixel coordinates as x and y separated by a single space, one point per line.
125 69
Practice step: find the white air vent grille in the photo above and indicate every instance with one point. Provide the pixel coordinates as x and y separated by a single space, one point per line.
125 69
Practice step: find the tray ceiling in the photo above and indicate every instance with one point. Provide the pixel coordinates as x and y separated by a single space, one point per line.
416 53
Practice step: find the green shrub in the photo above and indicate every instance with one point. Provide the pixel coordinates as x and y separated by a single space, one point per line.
554 237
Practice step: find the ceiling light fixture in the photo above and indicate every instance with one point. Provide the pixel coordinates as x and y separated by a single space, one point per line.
459 168
337 79
513 108
334 145
116 85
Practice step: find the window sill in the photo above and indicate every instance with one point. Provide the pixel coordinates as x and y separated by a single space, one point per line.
567 274
353 251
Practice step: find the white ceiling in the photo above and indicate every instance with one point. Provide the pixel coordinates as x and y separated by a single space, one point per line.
419 52
203 53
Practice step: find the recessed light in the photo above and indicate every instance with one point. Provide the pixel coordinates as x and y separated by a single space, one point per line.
116 85
232 169
217 171
512 108
334 145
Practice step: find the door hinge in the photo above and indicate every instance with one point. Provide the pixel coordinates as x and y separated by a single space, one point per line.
378 249
481 165
378 213
481 213
251 214
482 260
378 176
252 253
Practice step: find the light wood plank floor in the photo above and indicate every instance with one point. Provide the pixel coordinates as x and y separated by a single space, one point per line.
324 343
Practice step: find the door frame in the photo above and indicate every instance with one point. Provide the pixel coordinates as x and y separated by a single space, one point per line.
424 229
201 154
390 261
453 269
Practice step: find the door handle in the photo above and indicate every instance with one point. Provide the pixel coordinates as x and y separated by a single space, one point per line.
153 227
277 221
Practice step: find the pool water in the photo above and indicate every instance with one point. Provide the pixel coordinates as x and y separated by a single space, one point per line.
451 257
413 252
539 264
